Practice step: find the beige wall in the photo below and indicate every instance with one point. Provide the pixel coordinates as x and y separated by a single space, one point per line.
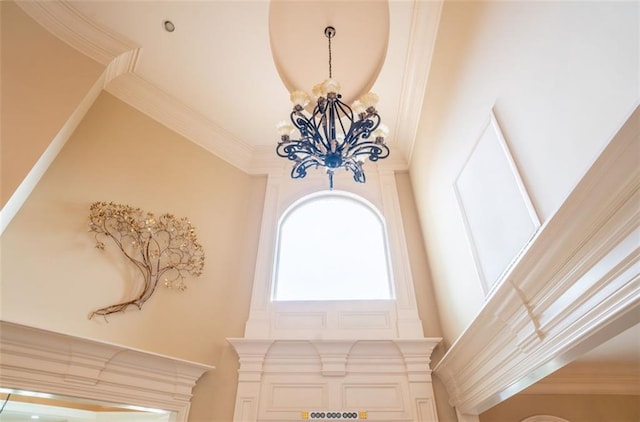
561 77
425 297
574 408
53 276
43 81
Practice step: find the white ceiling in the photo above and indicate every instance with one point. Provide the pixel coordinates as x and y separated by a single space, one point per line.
217 62
623 348
223 77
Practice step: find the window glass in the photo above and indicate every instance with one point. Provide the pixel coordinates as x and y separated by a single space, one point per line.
331 247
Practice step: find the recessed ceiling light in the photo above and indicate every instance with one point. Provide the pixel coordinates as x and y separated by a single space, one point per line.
168 26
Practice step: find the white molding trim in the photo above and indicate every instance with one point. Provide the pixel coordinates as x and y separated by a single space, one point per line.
118 55
390 380
467 418
121 55
576 285
91 39
544 418
161 106
43 361
514 228
400 315
28 184
424 30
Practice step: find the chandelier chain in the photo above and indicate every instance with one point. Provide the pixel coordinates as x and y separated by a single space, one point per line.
329 37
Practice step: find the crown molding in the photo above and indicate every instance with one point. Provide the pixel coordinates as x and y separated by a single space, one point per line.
32 359
120 56
166 109
91 39
576 285
265 161
424 30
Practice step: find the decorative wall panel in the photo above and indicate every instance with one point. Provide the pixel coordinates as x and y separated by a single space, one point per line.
384 380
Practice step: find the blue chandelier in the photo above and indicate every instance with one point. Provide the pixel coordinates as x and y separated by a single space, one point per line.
334 135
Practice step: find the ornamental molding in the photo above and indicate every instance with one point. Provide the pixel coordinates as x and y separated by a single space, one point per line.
331 357
60 18
120 56
385 379
576 285
382 319
424 30
544 418
44 361
166 109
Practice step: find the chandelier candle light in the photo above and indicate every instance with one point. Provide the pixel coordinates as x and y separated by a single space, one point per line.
334 135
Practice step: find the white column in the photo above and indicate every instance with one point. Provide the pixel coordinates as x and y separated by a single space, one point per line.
417 357
251 356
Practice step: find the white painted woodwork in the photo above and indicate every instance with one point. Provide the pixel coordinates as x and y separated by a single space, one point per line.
544 418
498 233
467 418
89 28
101 44
576 285
352 355
390 380
43 361
29 183
117 54
397 318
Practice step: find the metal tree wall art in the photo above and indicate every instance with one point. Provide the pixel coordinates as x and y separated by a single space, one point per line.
163 248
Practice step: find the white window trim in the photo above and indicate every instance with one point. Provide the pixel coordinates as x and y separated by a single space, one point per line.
544 418
396 318
318 196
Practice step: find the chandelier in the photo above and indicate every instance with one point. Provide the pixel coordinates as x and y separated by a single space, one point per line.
334 135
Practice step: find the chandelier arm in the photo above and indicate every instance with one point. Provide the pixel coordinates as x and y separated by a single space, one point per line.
299 169
343 111
325 136
346 110
360 131
319 119
356 168
301 122
331 120
291 150
297 150
308 129
373 150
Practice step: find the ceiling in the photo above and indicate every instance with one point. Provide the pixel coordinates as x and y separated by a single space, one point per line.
223 77
623 348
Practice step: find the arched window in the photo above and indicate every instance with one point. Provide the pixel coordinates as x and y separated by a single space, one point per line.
331 246
544 418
